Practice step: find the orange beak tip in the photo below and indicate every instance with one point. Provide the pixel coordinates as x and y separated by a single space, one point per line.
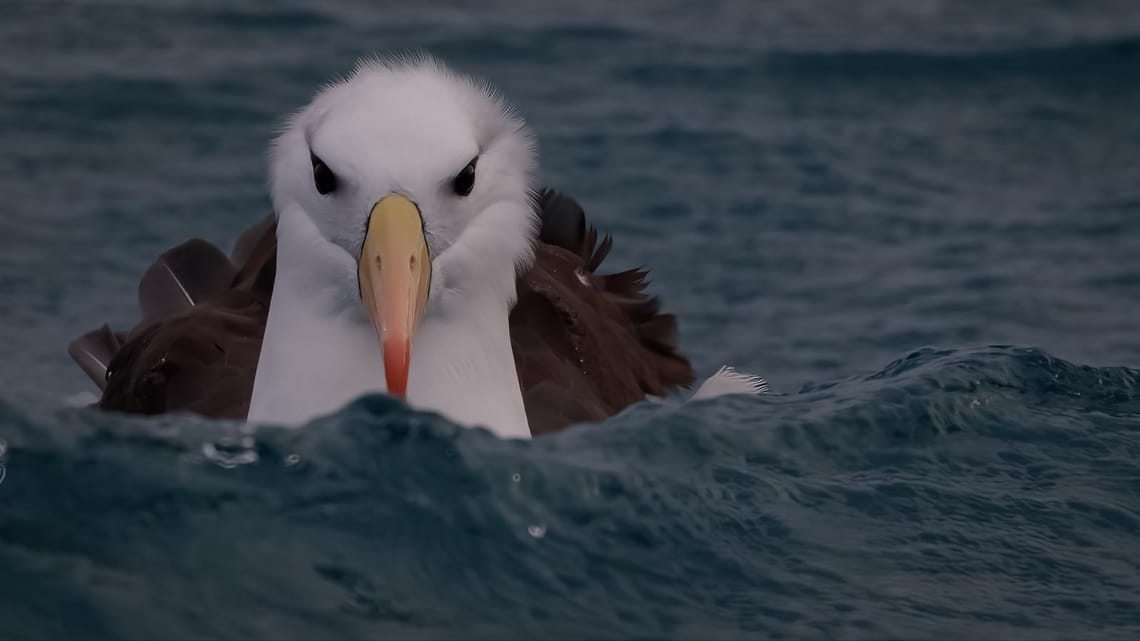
396 364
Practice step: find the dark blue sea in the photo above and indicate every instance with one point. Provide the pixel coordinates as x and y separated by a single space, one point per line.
918 219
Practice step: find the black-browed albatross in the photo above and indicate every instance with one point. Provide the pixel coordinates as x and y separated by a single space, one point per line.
404 211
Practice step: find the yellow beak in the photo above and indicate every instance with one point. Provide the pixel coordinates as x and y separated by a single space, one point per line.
395 275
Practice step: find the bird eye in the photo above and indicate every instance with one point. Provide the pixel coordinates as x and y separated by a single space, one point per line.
323 177
465 180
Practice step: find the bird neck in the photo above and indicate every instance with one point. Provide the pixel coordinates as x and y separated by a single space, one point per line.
463 367
319 351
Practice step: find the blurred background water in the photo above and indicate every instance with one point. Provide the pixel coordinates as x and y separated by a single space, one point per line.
918 219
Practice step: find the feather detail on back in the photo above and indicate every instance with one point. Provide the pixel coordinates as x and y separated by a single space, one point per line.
196 345
93 352
587 345
181 277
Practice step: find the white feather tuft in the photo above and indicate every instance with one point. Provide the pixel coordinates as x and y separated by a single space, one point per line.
728 381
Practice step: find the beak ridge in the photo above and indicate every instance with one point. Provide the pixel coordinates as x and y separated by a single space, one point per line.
395 275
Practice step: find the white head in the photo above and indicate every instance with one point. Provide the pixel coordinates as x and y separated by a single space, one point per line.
412 185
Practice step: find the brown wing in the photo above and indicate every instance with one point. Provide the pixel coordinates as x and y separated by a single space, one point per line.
587 345
197 345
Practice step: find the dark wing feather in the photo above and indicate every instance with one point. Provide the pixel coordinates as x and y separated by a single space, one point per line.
197 346
182 277
587 345
93 352
200 361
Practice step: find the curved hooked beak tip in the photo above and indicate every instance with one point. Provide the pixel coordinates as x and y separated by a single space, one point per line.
394 273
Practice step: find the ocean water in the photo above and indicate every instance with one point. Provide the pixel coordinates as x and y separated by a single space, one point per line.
918 219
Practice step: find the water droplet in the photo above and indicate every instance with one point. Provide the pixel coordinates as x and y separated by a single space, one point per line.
3 447
292 460
516 477
226 457
3 473
536 531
